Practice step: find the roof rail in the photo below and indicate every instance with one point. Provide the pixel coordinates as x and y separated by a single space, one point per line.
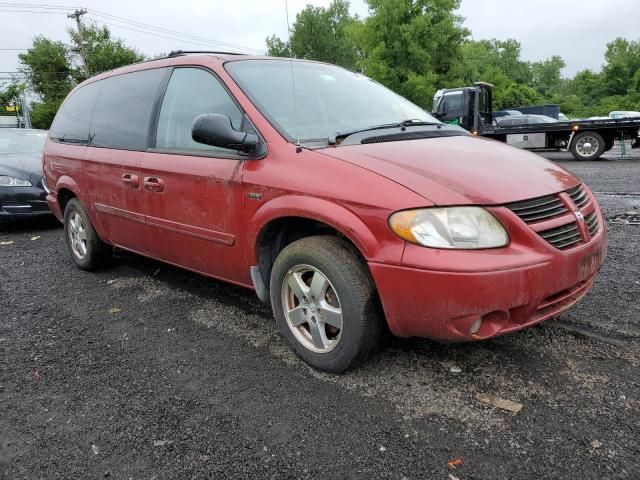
176 53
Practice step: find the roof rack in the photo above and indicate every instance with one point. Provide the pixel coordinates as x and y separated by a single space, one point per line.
176 53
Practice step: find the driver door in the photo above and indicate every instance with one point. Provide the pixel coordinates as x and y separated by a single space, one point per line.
192 192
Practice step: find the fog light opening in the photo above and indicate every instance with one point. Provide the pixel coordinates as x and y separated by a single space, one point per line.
475 326
490 324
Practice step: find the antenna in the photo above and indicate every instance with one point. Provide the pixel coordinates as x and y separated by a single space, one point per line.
293 81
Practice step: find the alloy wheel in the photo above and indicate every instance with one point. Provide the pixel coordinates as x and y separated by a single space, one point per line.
312 308
77 235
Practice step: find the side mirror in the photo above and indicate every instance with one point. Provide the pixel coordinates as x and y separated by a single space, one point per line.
216 130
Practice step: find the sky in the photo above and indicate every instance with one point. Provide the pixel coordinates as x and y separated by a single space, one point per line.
577 31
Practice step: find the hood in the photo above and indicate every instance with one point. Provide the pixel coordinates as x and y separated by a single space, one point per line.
460 170
21 165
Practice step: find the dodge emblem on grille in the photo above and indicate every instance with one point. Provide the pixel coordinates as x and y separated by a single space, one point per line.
579 216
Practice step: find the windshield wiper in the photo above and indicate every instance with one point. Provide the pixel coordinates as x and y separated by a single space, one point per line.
405 123
76 141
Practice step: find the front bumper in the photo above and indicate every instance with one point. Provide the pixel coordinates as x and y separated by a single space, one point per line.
22 202
455 296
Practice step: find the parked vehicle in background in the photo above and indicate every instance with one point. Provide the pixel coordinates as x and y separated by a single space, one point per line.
511 120
343 205
624 114
506 113
22 191
14 115
471 108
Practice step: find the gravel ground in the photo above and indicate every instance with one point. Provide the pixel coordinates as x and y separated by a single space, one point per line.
146 371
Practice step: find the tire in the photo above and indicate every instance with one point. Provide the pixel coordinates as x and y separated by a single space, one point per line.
348 289
588 146
85 247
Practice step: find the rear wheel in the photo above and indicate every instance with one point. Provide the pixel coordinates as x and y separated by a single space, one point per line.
587 146
325 303
86 249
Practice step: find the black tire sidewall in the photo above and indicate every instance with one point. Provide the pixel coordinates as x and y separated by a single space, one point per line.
601 146
95 247
353 309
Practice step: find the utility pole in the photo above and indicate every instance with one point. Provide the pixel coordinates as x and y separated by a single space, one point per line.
76 15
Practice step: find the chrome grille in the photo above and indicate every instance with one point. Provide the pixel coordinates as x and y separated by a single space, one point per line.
543 208
537 209
563 236
579 196
592 223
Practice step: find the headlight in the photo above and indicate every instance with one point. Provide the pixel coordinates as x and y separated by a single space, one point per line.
451 227
6 181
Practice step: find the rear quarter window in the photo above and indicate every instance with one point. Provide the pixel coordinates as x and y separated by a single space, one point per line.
123 111
73 119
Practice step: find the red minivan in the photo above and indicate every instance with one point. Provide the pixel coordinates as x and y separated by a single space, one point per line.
346 207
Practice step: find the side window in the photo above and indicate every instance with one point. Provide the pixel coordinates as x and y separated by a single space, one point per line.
192 92
452 102
123 111
74 116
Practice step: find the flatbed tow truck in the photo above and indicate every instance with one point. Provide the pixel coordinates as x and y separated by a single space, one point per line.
471 108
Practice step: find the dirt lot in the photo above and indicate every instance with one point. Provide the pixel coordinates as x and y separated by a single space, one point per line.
147 371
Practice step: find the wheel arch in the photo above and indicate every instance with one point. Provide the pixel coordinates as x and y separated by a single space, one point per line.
289 218
66 189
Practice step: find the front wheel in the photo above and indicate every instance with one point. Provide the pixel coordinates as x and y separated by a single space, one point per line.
325 303
587 146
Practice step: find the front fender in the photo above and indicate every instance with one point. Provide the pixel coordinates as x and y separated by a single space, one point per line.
333 214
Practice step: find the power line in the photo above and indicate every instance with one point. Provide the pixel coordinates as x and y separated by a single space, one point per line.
33 11
144 28
167 31
38 5
150 33
179 39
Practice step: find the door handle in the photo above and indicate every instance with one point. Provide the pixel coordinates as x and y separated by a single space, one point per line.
153 184
130 180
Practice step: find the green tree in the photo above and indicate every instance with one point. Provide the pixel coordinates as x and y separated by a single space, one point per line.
547 75
53 68
616 87
11 95
410 45
49 72
517 95
622 62
276 47
103 51
320 34
48 68
486 59
13 92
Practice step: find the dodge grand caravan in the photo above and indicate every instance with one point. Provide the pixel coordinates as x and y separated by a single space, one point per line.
346 207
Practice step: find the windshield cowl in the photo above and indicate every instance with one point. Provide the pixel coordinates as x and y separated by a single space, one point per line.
340 136
418 132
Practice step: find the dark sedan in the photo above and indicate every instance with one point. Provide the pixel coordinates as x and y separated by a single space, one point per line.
22 192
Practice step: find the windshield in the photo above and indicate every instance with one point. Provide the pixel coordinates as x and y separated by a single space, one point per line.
21 141
329 99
